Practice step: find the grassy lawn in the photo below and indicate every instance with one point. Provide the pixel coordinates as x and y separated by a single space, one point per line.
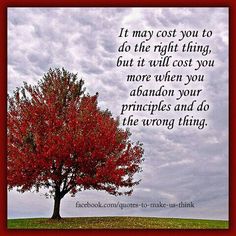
116 223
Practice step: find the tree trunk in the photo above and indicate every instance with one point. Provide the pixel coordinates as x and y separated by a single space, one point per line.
57 201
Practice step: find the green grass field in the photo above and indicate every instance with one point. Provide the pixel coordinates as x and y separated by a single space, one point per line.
116 223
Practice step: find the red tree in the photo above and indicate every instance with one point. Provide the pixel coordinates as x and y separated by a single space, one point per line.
58 138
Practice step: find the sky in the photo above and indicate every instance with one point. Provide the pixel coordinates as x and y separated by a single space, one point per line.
182 164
